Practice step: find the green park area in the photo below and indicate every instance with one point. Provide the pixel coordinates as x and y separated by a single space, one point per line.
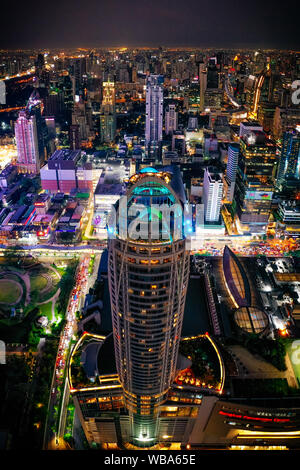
10 291
33 298
33 301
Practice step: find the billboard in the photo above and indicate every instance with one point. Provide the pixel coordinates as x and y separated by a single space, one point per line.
259 195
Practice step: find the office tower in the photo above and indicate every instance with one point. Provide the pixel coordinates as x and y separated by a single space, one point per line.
81 117
202 84
255 181
74 140
232 161
193 123
79 69
67 87
193 96
212 195
289 158
107 127
148 279
27 143
108 93
232 164
54 105
171 119
154 110
35 108
108 113
39 64
212 74
265 115
285 119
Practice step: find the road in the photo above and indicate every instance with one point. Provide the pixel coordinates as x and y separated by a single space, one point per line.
206 246
77 297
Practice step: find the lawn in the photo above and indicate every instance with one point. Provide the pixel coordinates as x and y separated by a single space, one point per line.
38 282
9 291
46 310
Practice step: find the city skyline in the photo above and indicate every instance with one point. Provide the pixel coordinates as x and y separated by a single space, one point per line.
149 230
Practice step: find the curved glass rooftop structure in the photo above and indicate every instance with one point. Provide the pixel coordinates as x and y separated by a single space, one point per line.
152 210
251 320
236 280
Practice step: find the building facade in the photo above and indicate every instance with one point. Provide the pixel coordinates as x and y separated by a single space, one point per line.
212 195
154 110
289 158
27 144
148 282
170 119
255 181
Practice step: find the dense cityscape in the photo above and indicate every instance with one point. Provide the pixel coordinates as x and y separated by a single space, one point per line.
149 249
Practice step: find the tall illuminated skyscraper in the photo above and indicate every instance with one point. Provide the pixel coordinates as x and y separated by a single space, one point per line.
154 110
171 118
290 157
108 93
212 73
202 84
232 162
148 278
27 143
212 195
255 181
108 112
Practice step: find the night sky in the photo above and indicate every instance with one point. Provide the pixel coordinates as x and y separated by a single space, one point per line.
96 23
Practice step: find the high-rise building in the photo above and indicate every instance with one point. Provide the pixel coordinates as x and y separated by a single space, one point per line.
255 181
27 143
74 140
212 73
232 161
232 164
148 279
154 110
171 118
108 113
212 195
67 86
290 157
285 119
202 84
193 123
108 93
39 64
